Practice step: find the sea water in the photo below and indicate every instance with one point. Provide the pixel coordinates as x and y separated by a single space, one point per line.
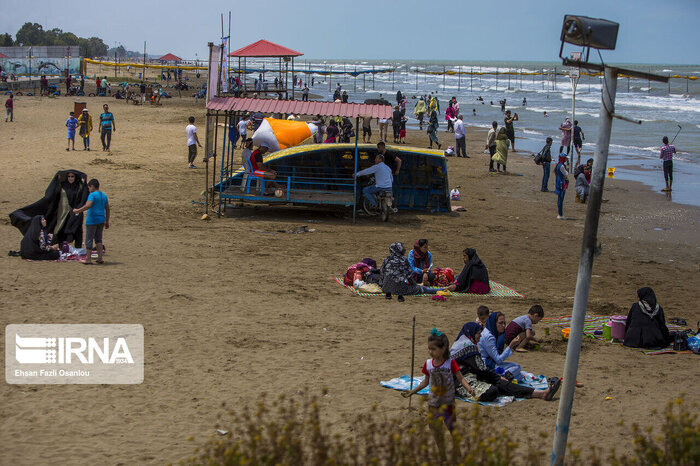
634 149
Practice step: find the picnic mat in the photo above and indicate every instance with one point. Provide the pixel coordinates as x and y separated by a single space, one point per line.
497 291
593 324
403 384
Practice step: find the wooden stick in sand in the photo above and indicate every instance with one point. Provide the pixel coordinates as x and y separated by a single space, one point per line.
413 356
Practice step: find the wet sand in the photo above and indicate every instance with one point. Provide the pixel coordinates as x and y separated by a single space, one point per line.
233 308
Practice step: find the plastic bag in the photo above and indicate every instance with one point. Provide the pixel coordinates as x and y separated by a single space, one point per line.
694 344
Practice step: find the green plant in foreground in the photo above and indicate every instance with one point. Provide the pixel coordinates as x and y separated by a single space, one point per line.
293 432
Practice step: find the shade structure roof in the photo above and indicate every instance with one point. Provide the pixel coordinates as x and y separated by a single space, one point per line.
264 48
170 57
2 55
298 107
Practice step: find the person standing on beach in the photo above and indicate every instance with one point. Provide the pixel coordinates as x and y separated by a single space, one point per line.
107 124
242 130
510 130
419 111
561 183
192 142
366 128
71 124
565 129
433 130
667 151
460 137
85 122
546 162
396 123
578 141
10 109
491 145
96 220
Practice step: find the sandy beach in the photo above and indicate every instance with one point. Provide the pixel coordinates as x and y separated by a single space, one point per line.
234 307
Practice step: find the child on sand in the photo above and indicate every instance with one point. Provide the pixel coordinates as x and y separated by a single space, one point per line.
522 326
482 315
440 373
71 124
96 220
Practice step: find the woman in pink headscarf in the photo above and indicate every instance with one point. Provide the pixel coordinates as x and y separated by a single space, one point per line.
565 136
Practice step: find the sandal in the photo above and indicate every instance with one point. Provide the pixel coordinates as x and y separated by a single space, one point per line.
554 384
86 263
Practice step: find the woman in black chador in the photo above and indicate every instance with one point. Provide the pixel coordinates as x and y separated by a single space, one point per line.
646 324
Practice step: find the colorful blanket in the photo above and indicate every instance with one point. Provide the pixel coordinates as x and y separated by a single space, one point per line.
497 290
403 383
593 328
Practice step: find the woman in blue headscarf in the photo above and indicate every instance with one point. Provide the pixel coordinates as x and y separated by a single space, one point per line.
486 383
493 346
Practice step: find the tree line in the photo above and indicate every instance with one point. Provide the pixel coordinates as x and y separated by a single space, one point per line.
34 34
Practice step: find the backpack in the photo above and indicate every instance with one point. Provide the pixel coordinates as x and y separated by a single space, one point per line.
539 158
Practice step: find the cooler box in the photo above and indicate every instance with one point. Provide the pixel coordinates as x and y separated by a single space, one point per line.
617 328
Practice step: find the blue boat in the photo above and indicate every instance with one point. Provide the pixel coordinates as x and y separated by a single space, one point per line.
322 174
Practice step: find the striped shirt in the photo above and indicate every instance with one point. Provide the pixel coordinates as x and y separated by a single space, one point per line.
667 152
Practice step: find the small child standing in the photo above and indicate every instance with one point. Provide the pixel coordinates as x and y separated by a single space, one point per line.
522 325
440 372
71 124
96 220
482 315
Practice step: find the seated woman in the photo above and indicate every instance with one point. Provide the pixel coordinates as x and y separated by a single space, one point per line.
397 275
36 244
421 261
492 346
474 277
646 324
485 382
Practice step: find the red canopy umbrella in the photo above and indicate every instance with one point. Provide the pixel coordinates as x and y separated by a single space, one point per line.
2 55
170 57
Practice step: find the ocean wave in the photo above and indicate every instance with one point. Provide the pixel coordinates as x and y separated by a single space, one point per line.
530 131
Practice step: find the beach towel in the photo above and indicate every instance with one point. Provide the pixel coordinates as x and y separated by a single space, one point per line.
498 290
403 384
593 328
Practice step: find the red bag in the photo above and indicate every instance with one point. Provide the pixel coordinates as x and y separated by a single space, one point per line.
443 277
350 273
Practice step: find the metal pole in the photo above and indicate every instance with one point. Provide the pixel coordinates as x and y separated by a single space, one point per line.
583 281
444 75
459 78
574 82
143 73
471 79
354 177
496 78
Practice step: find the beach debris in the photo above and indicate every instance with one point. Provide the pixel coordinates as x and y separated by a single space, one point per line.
608 398
458 208
221 431
204 217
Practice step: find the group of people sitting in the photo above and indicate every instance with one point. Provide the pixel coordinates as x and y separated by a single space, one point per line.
416 274
474 367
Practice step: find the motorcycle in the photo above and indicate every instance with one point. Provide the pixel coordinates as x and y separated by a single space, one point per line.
385 200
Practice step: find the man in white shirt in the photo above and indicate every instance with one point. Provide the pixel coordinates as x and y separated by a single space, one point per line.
382 179
192 142
242 125
460 138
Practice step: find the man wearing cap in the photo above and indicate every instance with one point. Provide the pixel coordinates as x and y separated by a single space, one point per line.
257 164
85 125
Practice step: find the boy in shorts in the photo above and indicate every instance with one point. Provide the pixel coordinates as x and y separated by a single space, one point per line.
71 124
96 220
522 325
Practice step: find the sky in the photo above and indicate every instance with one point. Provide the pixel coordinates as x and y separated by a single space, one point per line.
651 31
